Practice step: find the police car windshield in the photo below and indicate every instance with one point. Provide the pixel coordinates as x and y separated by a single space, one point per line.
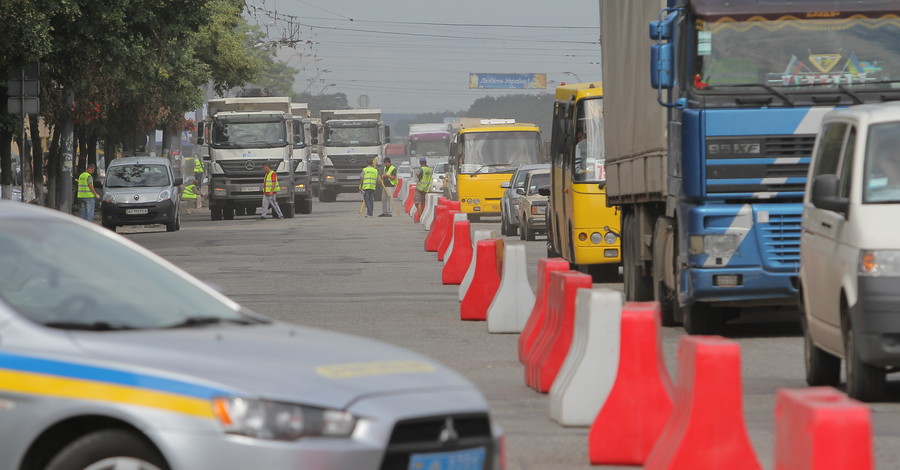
65 276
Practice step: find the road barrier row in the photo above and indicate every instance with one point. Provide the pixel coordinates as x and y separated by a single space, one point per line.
514 300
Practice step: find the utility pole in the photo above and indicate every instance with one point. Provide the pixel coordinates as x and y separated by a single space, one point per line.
23 89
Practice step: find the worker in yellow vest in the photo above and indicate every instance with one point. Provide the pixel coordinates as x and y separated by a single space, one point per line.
191 192
388 180
367 185
198 169
270 189
87 195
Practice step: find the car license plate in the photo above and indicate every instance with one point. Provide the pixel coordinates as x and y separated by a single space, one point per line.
136 211
354 177
250 189
469 459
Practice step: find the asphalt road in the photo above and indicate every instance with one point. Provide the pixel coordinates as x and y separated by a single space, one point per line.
371 277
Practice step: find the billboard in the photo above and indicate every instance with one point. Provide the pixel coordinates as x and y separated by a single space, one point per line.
508 80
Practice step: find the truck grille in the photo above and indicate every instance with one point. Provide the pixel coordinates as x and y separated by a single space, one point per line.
350 162
777 170
246 168
779 240
423 435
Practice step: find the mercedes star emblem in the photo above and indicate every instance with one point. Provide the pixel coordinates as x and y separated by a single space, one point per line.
248 165
352 160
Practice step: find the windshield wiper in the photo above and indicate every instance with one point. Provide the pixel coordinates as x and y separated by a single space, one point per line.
191 322
767 87
92 326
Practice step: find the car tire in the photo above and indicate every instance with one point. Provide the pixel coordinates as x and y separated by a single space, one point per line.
503 224
175 225
116 447
865 382
821 367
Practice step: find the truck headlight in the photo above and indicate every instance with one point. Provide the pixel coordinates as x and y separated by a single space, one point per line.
164 195
280 421
714 244
878 263
538 210
610 238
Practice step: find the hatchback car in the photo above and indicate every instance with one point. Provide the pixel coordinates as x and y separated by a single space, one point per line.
850 252
439 177
509 203
138 365
140 191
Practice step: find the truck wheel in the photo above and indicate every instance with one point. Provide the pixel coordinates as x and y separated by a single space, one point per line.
108 449
304 205
288 211
215 213
503 224
701 319
638 287
865 382
529 233
667 301
605 273
228 213
821 368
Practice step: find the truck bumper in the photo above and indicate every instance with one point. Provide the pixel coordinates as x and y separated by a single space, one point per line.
225 193
741 285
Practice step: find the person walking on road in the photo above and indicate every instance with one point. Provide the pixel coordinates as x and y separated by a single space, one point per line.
191 192
367 185
424 185
198 170
388 181
270 189
87 195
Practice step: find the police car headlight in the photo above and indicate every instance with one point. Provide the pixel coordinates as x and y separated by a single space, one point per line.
263 419
164 195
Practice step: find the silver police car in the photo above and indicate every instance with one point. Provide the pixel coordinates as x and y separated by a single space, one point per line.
111 358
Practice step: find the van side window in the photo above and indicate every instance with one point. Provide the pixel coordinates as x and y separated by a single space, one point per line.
847 164
829 155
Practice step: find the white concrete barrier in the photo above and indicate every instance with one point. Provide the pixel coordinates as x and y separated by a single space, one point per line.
428 212
470 273
589 371
457 216
404 191
514 300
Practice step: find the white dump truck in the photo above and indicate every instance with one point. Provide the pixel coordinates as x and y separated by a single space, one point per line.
351 138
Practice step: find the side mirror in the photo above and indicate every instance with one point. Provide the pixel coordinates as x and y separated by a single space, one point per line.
520 191
201 128
504 184
387 134
824 195
544 191
179 181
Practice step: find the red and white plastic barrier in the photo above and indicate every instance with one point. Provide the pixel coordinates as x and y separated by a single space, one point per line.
485 282
589 371
460 257
457 216
538 314
431 201
552 345
397 187
434 237
409 198
640 403
706 430
470 270
447 233
820 428
514 299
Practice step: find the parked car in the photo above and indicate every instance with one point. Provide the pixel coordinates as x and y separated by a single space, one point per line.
127 361
509 202
405 171
439 177
850 252
141 191
533 205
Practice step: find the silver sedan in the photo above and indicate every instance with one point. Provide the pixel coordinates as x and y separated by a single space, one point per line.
112 358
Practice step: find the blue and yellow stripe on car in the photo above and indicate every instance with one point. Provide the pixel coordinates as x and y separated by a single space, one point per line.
68 380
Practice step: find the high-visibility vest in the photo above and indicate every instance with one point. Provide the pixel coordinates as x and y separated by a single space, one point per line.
190 192
271 185
198 165
370 177
424 184
84 189
388 171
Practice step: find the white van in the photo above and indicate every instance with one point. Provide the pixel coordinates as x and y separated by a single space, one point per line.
850 250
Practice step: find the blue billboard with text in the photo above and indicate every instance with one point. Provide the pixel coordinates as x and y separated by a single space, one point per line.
508 80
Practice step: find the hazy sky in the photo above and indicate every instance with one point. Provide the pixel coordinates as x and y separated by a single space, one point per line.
415 57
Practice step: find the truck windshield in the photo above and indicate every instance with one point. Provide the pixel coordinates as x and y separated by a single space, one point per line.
499 151
299 138
589 164
882 173
137 176
790 53
242 135
351 136
429 148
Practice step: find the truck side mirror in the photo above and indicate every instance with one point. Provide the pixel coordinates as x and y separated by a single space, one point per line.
824 195
520 191
201 127
661 74
387 134
504 184
544 190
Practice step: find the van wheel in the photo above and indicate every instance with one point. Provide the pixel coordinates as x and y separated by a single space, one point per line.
109 449
864 382
175 225
821 368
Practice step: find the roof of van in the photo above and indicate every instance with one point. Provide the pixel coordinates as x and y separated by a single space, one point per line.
877 112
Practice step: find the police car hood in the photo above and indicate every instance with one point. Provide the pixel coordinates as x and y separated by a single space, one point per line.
272 361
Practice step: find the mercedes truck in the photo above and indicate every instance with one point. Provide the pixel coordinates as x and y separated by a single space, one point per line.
350 139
